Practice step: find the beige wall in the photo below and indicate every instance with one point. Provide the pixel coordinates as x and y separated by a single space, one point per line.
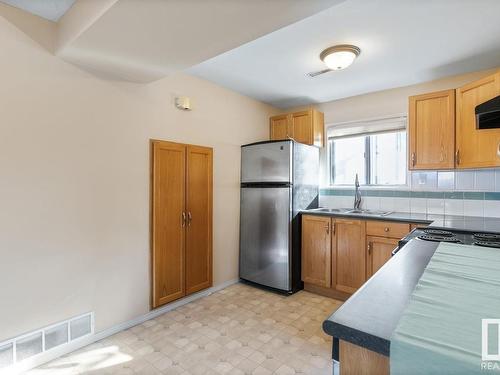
74 182
388 102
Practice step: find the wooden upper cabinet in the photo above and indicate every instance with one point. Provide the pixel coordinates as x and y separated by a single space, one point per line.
379 252
199 219
303 126
432 130
316 250
476 148
279 127
168 199
349 258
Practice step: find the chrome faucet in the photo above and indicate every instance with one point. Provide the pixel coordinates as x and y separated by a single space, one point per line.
357 194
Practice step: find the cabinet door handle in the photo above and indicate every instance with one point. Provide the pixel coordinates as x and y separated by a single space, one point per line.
369 248
327 227
333 228
183 219
457 156
413 159
498 150
190 218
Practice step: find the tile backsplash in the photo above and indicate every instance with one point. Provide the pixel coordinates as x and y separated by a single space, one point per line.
471 193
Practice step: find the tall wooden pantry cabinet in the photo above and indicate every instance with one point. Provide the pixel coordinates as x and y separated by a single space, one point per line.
181 220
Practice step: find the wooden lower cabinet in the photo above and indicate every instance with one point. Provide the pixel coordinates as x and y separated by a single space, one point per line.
356 360
316 250
390 229
181 222
349 260
339 255
379 252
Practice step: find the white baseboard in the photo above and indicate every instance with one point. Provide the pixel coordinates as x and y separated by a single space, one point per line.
57 352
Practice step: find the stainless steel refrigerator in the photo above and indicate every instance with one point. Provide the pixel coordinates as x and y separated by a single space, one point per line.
278 179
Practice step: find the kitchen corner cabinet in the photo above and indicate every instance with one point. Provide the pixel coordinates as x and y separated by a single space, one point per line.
316 250
303 126
181 220
431 130
379 252
476 148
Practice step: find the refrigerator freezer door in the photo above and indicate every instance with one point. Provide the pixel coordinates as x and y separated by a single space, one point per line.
265 236
266 162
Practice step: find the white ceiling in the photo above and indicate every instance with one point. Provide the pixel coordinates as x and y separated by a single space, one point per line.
144 40
51 10
403 42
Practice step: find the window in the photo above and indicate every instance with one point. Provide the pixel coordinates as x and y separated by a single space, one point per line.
378 158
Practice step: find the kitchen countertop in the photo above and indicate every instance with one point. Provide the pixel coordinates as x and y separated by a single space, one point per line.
466 223
369 317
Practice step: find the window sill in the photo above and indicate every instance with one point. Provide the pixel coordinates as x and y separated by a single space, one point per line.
367 187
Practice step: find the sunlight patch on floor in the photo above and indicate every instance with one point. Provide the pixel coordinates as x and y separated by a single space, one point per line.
86 361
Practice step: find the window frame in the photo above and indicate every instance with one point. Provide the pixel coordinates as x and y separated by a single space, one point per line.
367 155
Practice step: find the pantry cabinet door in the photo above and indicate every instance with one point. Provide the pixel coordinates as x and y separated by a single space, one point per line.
199 219
168 197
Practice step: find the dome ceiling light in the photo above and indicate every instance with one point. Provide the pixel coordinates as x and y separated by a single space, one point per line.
337 57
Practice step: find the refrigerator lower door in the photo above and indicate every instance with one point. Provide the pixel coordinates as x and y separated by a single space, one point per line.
267 162
265 236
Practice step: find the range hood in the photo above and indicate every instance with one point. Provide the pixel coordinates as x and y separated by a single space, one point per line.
488 114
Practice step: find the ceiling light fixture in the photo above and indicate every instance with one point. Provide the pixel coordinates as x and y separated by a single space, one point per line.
340 56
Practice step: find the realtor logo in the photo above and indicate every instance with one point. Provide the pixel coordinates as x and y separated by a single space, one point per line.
489 327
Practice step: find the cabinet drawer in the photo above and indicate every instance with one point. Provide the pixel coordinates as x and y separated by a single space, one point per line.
387 229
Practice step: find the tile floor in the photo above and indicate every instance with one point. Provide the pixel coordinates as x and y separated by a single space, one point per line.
238 330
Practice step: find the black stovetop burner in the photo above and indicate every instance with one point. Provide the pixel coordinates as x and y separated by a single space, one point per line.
488 244
491 240
438 235
489 237
461 237
439 238
438 232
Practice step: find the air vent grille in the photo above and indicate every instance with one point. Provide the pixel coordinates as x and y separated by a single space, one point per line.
56 336
28 345
6 355
80 327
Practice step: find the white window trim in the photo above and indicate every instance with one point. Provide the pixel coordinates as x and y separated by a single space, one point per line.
365 126
399 121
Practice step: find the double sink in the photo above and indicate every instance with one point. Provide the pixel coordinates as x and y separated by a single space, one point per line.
351 211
